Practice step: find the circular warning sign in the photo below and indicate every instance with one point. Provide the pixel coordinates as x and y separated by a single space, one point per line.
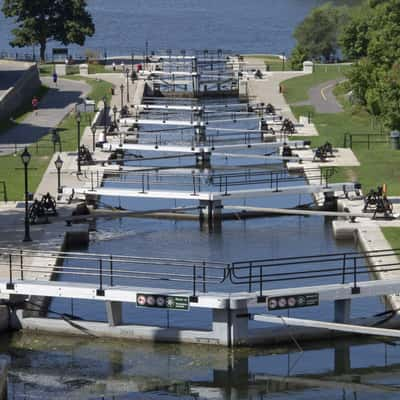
272 304
151 301
141 300
291 301
282 302
160 301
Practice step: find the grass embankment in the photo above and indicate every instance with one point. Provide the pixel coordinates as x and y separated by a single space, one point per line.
392 235
48 69
11 166
275 63
379 164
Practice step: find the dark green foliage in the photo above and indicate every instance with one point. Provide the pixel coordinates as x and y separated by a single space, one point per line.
318 34
374 35
65 21
298 56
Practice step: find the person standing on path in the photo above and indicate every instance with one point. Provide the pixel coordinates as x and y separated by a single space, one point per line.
35 103
55 78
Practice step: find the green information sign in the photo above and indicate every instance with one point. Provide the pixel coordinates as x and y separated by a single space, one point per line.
162 301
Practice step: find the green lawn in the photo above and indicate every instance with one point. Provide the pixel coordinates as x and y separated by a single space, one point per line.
274 62
392 235
42 151
379 164
47 69
296 89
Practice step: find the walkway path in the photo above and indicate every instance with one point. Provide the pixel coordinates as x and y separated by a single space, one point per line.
53 108
322 98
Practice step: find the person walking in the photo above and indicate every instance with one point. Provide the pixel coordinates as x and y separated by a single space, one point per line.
35 104
55 78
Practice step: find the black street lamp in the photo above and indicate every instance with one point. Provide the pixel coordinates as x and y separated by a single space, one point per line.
132 60
122 96
26 158
115 110
105 116
58 163
78 130
93 129
127 85
283 61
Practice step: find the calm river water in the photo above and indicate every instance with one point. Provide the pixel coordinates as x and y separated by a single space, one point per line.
51 367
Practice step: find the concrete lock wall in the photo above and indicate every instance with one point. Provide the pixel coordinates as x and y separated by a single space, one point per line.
23 90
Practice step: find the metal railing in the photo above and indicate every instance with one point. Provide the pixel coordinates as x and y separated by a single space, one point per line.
260 275
271 179
110 270
196 276
349 139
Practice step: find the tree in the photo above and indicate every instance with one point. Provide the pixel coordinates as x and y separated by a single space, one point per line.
298 56
65 21
318 33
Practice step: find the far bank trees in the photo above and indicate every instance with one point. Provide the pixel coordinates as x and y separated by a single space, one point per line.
38 21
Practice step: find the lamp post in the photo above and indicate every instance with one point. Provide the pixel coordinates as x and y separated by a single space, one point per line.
58 163
93 129
283 61
78 130
105 116
132 57
122 96
26 158
127 85
115 109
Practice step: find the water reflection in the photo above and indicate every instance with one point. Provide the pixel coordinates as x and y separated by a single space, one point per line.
74 368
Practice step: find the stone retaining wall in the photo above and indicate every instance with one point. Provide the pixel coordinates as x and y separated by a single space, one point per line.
23 90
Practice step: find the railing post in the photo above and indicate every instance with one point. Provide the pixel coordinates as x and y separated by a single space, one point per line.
261 297
100 290
204 276
250 276
194 185
142 183
22 265
10 284
344 269
226 185
111 271
355 289
193 298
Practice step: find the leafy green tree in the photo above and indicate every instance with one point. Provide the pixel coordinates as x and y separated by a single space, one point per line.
298 56
318 33
38 21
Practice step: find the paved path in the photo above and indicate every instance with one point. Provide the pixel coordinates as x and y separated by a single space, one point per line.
321 97
53 108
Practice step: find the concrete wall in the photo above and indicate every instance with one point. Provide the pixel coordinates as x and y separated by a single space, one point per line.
4 365
22 91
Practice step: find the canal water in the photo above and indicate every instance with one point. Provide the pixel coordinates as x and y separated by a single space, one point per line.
123 26
54 367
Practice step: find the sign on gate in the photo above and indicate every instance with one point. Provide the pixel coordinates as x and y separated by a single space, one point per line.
294 301
162 301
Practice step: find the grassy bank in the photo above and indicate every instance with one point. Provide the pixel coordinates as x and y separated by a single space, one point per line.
275 63
392 235
42 151
379 164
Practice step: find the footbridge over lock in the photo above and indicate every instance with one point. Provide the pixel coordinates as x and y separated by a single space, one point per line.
234 292
210 190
